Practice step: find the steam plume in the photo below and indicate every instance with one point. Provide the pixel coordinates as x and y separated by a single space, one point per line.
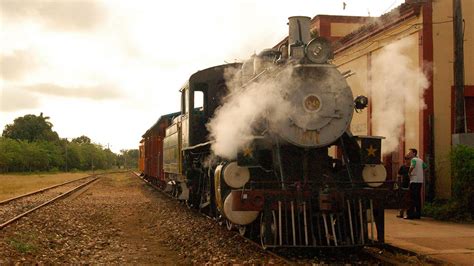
397 87
234 122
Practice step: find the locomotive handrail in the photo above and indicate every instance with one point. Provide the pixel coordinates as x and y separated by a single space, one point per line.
199 145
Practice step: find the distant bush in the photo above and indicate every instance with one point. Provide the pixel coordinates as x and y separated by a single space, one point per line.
461 204
448 210
462 163
53 156
54 170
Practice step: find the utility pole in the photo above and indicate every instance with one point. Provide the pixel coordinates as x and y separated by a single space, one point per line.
66 154
460 125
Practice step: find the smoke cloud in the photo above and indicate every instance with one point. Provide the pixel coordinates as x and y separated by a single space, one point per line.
397 87
235 121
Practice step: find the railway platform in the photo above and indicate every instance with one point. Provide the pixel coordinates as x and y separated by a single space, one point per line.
450 243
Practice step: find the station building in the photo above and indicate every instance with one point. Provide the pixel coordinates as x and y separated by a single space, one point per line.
422 34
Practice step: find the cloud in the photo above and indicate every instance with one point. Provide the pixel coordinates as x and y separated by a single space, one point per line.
59 15
14 99
99 92
16 65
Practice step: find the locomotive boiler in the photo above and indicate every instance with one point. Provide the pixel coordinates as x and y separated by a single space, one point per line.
300 178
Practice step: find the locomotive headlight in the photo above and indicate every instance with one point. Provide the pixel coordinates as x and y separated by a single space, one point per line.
374 174
319 50
312 103
236 176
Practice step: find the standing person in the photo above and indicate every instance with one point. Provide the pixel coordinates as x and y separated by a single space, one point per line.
416 182
404 183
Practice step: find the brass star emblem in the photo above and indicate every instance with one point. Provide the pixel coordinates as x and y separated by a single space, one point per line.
248 152
371 151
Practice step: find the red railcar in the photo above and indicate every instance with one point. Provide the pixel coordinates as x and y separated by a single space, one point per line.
153 150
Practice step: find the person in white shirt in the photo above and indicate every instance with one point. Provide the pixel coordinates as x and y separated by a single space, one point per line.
416 173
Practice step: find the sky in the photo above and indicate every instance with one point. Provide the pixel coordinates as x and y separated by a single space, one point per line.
109 69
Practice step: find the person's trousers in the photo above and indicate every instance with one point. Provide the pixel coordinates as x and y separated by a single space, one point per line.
414 210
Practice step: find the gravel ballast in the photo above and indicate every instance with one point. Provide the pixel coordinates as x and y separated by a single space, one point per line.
120 219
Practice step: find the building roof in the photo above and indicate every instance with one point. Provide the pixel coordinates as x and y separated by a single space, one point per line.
372 25
320 24
376 25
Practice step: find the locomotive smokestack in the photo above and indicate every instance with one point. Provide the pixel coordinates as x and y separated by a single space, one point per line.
299 35
299 30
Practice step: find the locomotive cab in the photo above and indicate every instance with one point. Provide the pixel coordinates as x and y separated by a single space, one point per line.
200 96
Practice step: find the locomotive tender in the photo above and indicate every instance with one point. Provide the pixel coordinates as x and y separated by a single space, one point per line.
301 181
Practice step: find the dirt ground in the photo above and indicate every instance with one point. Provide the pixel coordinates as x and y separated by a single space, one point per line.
17 184
120 219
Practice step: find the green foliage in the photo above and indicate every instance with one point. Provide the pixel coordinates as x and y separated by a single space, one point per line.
30 145
31 128
462 165
24 156
23 243
81 140
128 158
448 210
22 247
461 204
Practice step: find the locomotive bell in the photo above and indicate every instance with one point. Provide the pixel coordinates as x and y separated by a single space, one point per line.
319 50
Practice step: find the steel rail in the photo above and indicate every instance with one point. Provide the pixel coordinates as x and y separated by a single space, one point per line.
47 202
286 261
42 190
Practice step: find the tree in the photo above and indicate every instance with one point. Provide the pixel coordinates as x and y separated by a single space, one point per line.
11 157
128 158
81 140
31 128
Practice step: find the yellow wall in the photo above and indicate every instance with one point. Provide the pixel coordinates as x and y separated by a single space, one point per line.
443 80
358 84
342 29
467 8
355 59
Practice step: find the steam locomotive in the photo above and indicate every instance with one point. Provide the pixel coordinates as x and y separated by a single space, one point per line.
300 178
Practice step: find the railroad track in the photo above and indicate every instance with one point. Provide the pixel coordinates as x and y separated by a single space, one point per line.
372 255
17 207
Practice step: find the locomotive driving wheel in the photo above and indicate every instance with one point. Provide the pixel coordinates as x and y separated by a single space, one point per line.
268 229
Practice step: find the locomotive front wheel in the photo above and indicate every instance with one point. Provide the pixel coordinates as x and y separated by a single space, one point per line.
268 229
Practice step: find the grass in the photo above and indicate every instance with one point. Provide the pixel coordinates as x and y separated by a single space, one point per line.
17 184
23 243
